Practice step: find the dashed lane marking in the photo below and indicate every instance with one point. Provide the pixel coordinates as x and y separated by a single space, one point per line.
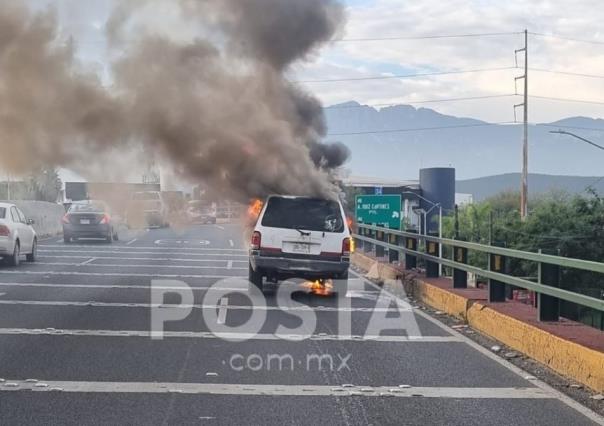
115 265
219 227
231 243
154 259
225 336
132 241
280 390
185 252
114 274
88 262
115 247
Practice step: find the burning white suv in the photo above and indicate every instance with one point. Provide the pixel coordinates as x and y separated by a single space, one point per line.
300 237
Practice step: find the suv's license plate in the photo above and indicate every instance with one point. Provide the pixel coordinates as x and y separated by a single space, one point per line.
84 222
301 248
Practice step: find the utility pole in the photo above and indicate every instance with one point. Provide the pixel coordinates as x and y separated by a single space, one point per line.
524 180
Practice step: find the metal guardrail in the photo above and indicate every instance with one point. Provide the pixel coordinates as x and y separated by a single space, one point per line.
547 289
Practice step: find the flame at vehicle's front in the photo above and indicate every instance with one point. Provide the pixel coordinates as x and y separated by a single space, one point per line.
255 209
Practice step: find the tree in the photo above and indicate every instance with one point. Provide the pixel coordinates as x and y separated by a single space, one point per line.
45 184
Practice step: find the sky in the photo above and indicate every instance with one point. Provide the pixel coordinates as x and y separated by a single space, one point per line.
581 19
349 59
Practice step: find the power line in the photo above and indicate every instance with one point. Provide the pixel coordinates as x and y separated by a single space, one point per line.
583 101
387 77
578 40
427 37
429 101
593 129
419 129
463 126
574 74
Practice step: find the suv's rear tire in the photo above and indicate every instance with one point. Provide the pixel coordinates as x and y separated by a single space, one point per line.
255 279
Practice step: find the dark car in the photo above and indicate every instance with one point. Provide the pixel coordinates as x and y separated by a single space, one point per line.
89 219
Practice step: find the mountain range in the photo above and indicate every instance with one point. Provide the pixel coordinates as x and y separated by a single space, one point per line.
395 142
485 187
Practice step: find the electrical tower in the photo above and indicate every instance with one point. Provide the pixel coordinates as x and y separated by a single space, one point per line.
524 179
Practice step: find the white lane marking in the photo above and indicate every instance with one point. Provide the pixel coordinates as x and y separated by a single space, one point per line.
228 336
87 262
232 243
153 259
182 242
200 249
132 241
243 288
230 264
114 274
489 354
226 306
60 240
2 294
122 287
137 253
222 311
114 265
219 227
280 390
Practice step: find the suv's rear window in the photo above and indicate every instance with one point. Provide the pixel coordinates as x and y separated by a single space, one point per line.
306 214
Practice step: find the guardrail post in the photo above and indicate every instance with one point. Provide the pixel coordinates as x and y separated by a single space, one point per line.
360 244
393 255
496 288
367 247
379 250
432 267
460 278
548 306
410 259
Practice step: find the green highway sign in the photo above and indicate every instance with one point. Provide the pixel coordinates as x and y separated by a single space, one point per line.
382 210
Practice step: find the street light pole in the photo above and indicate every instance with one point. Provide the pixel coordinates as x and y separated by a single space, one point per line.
564 132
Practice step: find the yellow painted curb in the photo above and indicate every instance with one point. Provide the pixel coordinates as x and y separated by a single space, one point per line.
570 359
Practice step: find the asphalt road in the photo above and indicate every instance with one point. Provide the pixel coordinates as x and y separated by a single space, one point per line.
76 346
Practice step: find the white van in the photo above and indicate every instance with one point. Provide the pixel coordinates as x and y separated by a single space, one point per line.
300 237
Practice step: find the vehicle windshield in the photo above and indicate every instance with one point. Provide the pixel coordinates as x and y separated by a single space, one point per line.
2 212
90 207
308 214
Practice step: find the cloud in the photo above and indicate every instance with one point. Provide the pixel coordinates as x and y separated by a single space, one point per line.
391 18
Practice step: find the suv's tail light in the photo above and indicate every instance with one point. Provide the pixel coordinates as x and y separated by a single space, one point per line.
4 231
66 219
256 240
347 246
105 220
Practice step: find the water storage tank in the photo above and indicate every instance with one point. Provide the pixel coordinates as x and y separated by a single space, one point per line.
438 186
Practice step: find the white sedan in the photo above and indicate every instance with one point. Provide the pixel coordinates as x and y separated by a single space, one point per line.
17 236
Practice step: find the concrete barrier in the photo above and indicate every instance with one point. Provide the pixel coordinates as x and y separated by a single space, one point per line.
46 215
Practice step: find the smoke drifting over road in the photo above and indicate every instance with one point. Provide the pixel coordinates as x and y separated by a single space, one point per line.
219 107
